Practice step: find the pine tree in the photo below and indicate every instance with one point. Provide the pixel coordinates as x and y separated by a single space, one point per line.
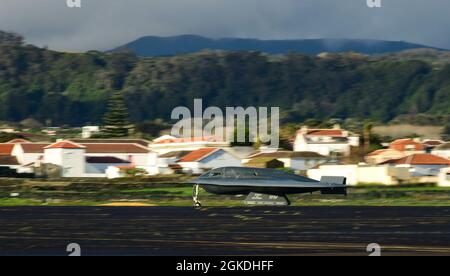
445 135
116 123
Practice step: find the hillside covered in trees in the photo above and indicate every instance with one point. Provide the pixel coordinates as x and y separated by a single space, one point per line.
68 88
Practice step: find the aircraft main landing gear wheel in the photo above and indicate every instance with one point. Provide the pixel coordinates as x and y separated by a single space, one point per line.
195 192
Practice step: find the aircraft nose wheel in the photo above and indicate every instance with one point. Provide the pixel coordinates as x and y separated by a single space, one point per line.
195 192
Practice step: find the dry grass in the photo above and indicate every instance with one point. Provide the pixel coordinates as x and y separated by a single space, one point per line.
406 130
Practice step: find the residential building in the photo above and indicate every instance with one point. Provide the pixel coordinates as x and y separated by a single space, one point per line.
89 131
168 163
298 161
68 156
327 142
409 146
202 160
169 143
264 163
97 157
397 149
383 155
442 150
141 142
362 174
421 164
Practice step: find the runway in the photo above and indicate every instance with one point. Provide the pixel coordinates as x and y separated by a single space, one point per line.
184 231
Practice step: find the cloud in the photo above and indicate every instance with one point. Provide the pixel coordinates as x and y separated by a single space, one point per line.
105 24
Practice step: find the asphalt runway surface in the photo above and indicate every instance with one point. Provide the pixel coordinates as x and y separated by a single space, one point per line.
185 231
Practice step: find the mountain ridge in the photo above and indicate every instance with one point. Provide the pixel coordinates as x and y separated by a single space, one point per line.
148 46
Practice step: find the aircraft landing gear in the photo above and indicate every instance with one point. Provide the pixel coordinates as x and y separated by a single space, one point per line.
195 192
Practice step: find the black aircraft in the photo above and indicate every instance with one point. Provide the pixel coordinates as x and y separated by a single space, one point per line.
263 186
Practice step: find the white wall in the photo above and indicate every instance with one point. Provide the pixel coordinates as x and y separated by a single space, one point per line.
354 141
382 175
348 171
444 178
355 174
300 144
71 161
113 172
191 146
305 164
442 153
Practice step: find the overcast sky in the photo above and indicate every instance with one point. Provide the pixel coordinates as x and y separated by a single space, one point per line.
106 24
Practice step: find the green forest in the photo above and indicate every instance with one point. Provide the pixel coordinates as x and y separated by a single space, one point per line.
73 89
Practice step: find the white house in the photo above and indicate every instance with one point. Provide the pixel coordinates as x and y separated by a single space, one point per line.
88 131
444 178
442 150
328 142
383 155
423 164
97 157
168 163
407 146
356 174
205 159
68 156
169 143
298 161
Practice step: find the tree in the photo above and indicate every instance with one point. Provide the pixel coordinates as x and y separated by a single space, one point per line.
446 133
116 123
368 126
247 142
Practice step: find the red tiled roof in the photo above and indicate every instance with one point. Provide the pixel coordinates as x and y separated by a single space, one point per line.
92 148
198 155
8 160
33 148
326 132
188 140
402 145
141 142
420 159
6 149
18 141
115 148
65 145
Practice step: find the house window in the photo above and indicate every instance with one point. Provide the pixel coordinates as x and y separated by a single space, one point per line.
448 176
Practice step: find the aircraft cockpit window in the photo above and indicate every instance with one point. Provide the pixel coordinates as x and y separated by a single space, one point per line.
216 173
